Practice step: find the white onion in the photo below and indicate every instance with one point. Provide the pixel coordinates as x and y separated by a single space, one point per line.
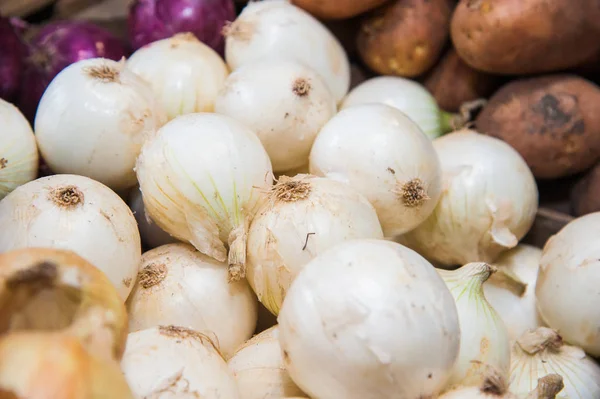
304 216
380 152
93 119
511 290
568 284
541 351
495 387
408 96
76 213
169 362
178 285
202 177
277 29
369 319
184 73
488 204
484 340
18 149
285 103
259 370
152 236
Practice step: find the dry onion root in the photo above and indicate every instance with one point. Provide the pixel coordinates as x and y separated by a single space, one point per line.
37 365
18 149
259 369
45 289
176 362
75 213
177 285
303 216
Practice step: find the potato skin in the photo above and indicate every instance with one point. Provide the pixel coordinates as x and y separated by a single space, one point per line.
337 9
405 37
452 82
585 195
552 121
525 37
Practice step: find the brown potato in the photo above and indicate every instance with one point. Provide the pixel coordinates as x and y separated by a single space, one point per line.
453 83
406 37
337 9
552 121
525 37
585 195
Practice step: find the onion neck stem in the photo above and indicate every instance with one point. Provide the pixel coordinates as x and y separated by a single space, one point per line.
472 274
540 339
449 122
548 387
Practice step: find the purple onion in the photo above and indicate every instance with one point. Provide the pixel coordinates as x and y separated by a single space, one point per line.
56 46
152 20
11 61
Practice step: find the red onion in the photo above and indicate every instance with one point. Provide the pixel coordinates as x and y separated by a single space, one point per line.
151 20
11 60
56 46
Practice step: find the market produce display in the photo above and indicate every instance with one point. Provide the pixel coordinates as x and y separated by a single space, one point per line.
300 199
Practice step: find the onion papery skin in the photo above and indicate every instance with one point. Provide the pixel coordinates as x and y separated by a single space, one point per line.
259 34
78 214
202 178
284 102
37 365
176 362
185 74
151 235
152 20
581 374
19 158
46 289
259 370
386 157
568 278
177 285
404 94
511 290
480 213
303 217
484 339
11 61
56 46
339 324
93 120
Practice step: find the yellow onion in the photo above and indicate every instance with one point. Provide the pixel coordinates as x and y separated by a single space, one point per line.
47 289
35 365
259 370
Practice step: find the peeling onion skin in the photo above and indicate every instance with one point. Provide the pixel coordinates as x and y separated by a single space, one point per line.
303 217
284 102
406 95
340 321
178 285
484 340
185 74
152 236
258 34
51 365
569 281
93 119
173 362
202 177
18 150
78 214
259 370
511 290
44 289
386 157
543 351
480 213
